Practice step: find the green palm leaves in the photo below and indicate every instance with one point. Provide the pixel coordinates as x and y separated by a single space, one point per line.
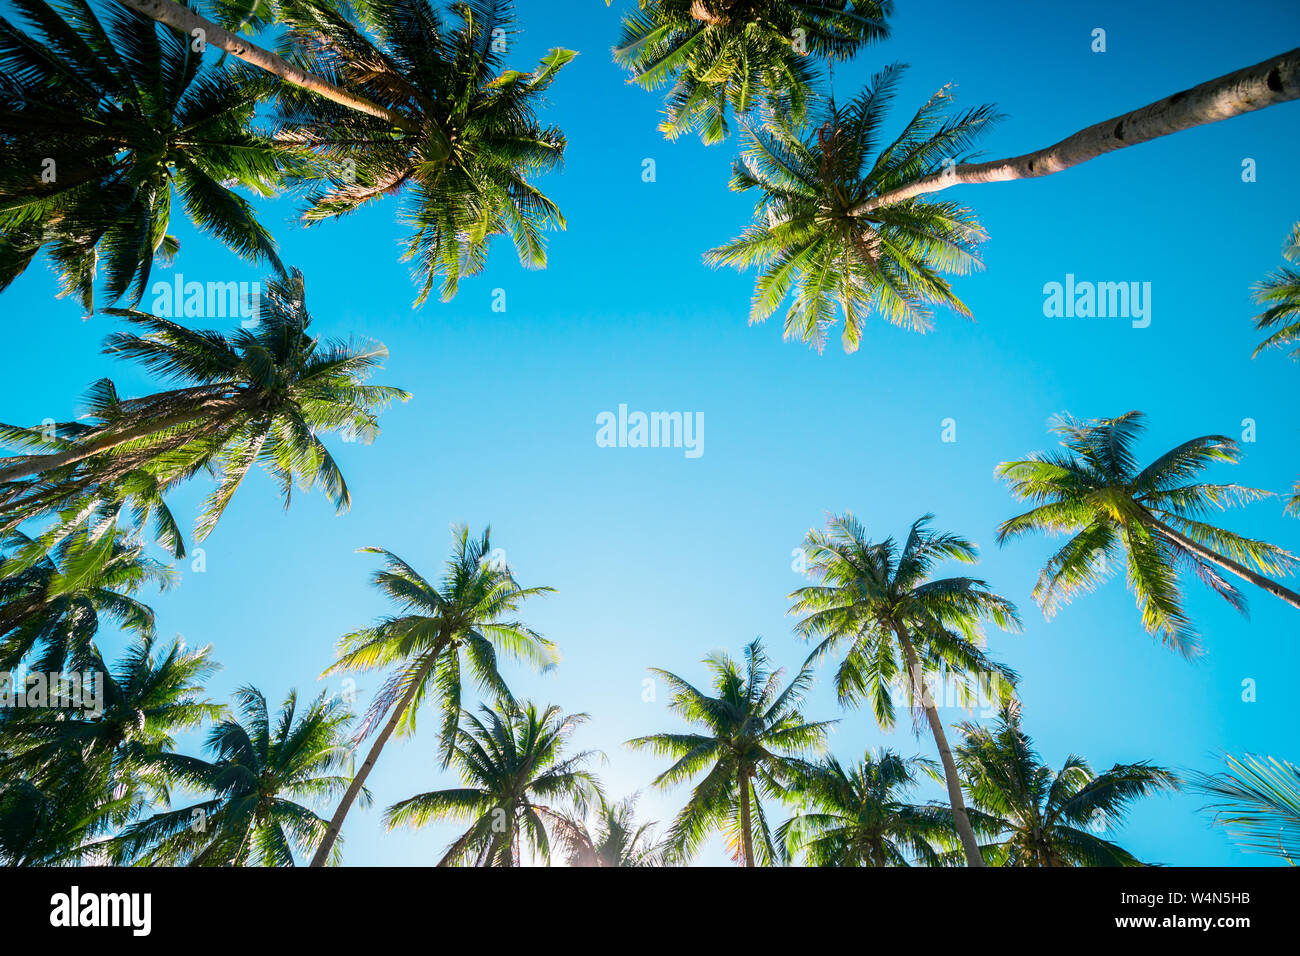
517 784
750 741
261 768
813 246
53 602
1280 292
261 395
102 117
71 776
614 838
875 600
466 169
740 53
1040 817
861 815
464 620
1154 515
1257 800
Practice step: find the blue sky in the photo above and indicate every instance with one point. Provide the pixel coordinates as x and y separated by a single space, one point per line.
659 559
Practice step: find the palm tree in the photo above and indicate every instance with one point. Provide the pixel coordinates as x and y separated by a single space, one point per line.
261 394
53 602
139 705
82 767
464 618
102 117
614 839
861 815
1258 803
752 739
720 53
899 621
467 166
516 781
260 775
806 238
1096 491
1041 817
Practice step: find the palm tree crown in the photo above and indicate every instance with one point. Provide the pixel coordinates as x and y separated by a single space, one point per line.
466 168
53 602
262 394
102 115
1037 816
868 589
810 243
752 739
517 782
86 770
739 53
861 815
260 769
614 838
1096 491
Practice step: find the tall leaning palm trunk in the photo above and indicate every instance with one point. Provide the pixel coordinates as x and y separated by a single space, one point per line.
1272 81
184 19
400 712
467 611
1227 564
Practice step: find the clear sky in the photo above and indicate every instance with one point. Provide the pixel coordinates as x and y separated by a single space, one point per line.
659 559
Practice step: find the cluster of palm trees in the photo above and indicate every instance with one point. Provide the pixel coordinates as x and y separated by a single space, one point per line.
110 109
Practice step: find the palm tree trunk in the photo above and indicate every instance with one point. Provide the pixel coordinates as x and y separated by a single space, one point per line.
746 837
1227 564
1275 80
359 779
961 820
186 20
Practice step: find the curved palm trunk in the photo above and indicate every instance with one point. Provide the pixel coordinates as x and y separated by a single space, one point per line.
186 20
1275 80
746 836
359 779
1227 564
960 818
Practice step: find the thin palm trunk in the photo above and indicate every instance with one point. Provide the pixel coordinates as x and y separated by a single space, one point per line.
1227 564
960 818
1275 80
186 20
746 837
359 780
